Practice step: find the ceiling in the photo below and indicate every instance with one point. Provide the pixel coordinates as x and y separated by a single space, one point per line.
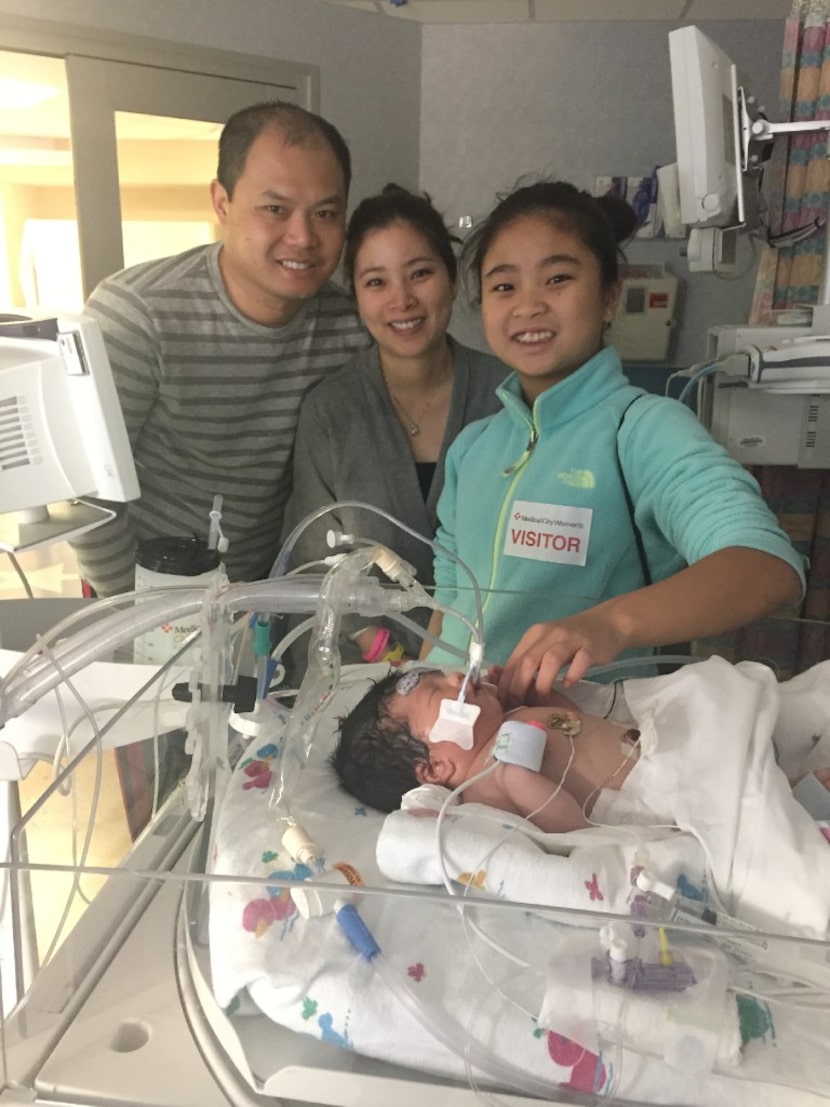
551 11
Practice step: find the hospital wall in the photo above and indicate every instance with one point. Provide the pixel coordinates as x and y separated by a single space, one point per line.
576 100
465 110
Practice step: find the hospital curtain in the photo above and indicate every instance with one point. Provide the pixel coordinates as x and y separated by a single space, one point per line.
798 187
795 641
798 173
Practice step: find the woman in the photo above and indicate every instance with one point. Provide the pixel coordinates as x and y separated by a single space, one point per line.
378 429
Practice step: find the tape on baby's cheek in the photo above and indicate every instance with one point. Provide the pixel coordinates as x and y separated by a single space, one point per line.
455 723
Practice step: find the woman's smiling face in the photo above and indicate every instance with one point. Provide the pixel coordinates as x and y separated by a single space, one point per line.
404 293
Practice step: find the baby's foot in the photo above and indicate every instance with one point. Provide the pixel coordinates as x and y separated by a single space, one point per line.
823 776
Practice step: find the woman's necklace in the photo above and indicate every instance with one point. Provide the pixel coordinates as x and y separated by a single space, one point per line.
414 425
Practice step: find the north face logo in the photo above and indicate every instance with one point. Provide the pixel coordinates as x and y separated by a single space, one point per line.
578 478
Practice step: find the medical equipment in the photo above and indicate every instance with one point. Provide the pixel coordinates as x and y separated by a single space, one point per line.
644 322
767 396
768 403
707 129
521 744
63 434
106 1020
323 655
723 138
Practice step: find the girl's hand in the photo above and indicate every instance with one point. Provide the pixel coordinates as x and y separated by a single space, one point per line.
494 676
578 642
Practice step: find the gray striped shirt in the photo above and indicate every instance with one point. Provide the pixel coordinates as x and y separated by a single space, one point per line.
210 399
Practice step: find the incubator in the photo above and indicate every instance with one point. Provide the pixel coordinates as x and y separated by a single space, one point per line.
247 943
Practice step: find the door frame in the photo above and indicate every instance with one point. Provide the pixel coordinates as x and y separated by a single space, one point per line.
97 200
36 36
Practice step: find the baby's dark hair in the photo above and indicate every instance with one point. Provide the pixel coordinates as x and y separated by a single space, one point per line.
600 222
376 754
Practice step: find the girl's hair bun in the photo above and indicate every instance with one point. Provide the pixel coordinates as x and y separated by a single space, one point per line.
620 214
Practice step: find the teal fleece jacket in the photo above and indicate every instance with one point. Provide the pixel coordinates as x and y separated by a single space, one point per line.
534 504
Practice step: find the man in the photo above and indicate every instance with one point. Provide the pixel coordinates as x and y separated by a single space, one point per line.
213 349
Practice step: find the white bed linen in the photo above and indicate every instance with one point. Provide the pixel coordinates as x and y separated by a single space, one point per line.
712 772
305 976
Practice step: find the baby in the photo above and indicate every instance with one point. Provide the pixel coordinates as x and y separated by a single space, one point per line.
384 750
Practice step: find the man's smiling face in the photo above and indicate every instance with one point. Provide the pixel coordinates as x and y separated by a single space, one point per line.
283 226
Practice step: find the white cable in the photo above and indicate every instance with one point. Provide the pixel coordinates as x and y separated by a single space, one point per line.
83 613
481 864
289 639
18 568
288 546
96 788
706 371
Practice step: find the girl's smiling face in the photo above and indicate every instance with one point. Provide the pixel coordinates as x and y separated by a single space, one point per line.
543 303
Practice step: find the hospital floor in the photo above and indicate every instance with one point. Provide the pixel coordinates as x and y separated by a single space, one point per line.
56 835
50 571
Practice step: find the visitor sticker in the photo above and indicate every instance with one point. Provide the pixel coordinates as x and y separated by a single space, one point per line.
548 532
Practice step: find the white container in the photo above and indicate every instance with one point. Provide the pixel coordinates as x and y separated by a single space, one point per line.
166 563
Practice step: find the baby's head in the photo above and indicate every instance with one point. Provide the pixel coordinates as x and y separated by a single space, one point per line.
383 749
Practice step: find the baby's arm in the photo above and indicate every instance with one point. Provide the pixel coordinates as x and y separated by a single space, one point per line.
547 805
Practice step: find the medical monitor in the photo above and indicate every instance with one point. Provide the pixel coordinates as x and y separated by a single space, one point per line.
62 433
705 93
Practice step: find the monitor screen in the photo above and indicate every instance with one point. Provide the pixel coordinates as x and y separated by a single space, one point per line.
707 131
62 433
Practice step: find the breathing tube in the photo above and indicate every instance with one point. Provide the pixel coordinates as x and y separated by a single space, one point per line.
323 671
321 676
35 673
280 568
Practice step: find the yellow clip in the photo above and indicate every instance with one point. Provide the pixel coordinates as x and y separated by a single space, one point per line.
394 655
665 953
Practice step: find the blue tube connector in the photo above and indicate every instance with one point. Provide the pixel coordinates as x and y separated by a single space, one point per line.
262 636
357 931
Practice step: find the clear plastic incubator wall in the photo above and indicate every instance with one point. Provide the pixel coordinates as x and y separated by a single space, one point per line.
195 913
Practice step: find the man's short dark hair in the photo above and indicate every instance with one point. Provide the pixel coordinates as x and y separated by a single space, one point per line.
377 754
298 127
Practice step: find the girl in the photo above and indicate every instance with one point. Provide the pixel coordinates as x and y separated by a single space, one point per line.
379 429
609 512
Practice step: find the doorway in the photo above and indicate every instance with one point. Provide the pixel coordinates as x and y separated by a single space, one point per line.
106 162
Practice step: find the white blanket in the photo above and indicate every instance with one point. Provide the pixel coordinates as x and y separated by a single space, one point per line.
712 773
305 976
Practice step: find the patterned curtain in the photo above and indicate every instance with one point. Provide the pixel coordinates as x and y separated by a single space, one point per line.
798 184
798 174
794 641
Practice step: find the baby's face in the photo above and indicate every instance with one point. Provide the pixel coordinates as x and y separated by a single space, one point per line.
421 703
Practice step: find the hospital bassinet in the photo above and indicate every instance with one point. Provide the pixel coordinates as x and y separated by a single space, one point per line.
190 977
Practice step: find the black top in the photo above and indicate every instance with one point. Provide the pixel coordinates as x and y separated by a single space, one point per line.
426 471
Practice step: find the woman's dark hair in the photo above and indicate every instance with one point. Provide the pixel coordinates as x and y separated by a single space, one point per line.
600 222
298 127
377 754
398 205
